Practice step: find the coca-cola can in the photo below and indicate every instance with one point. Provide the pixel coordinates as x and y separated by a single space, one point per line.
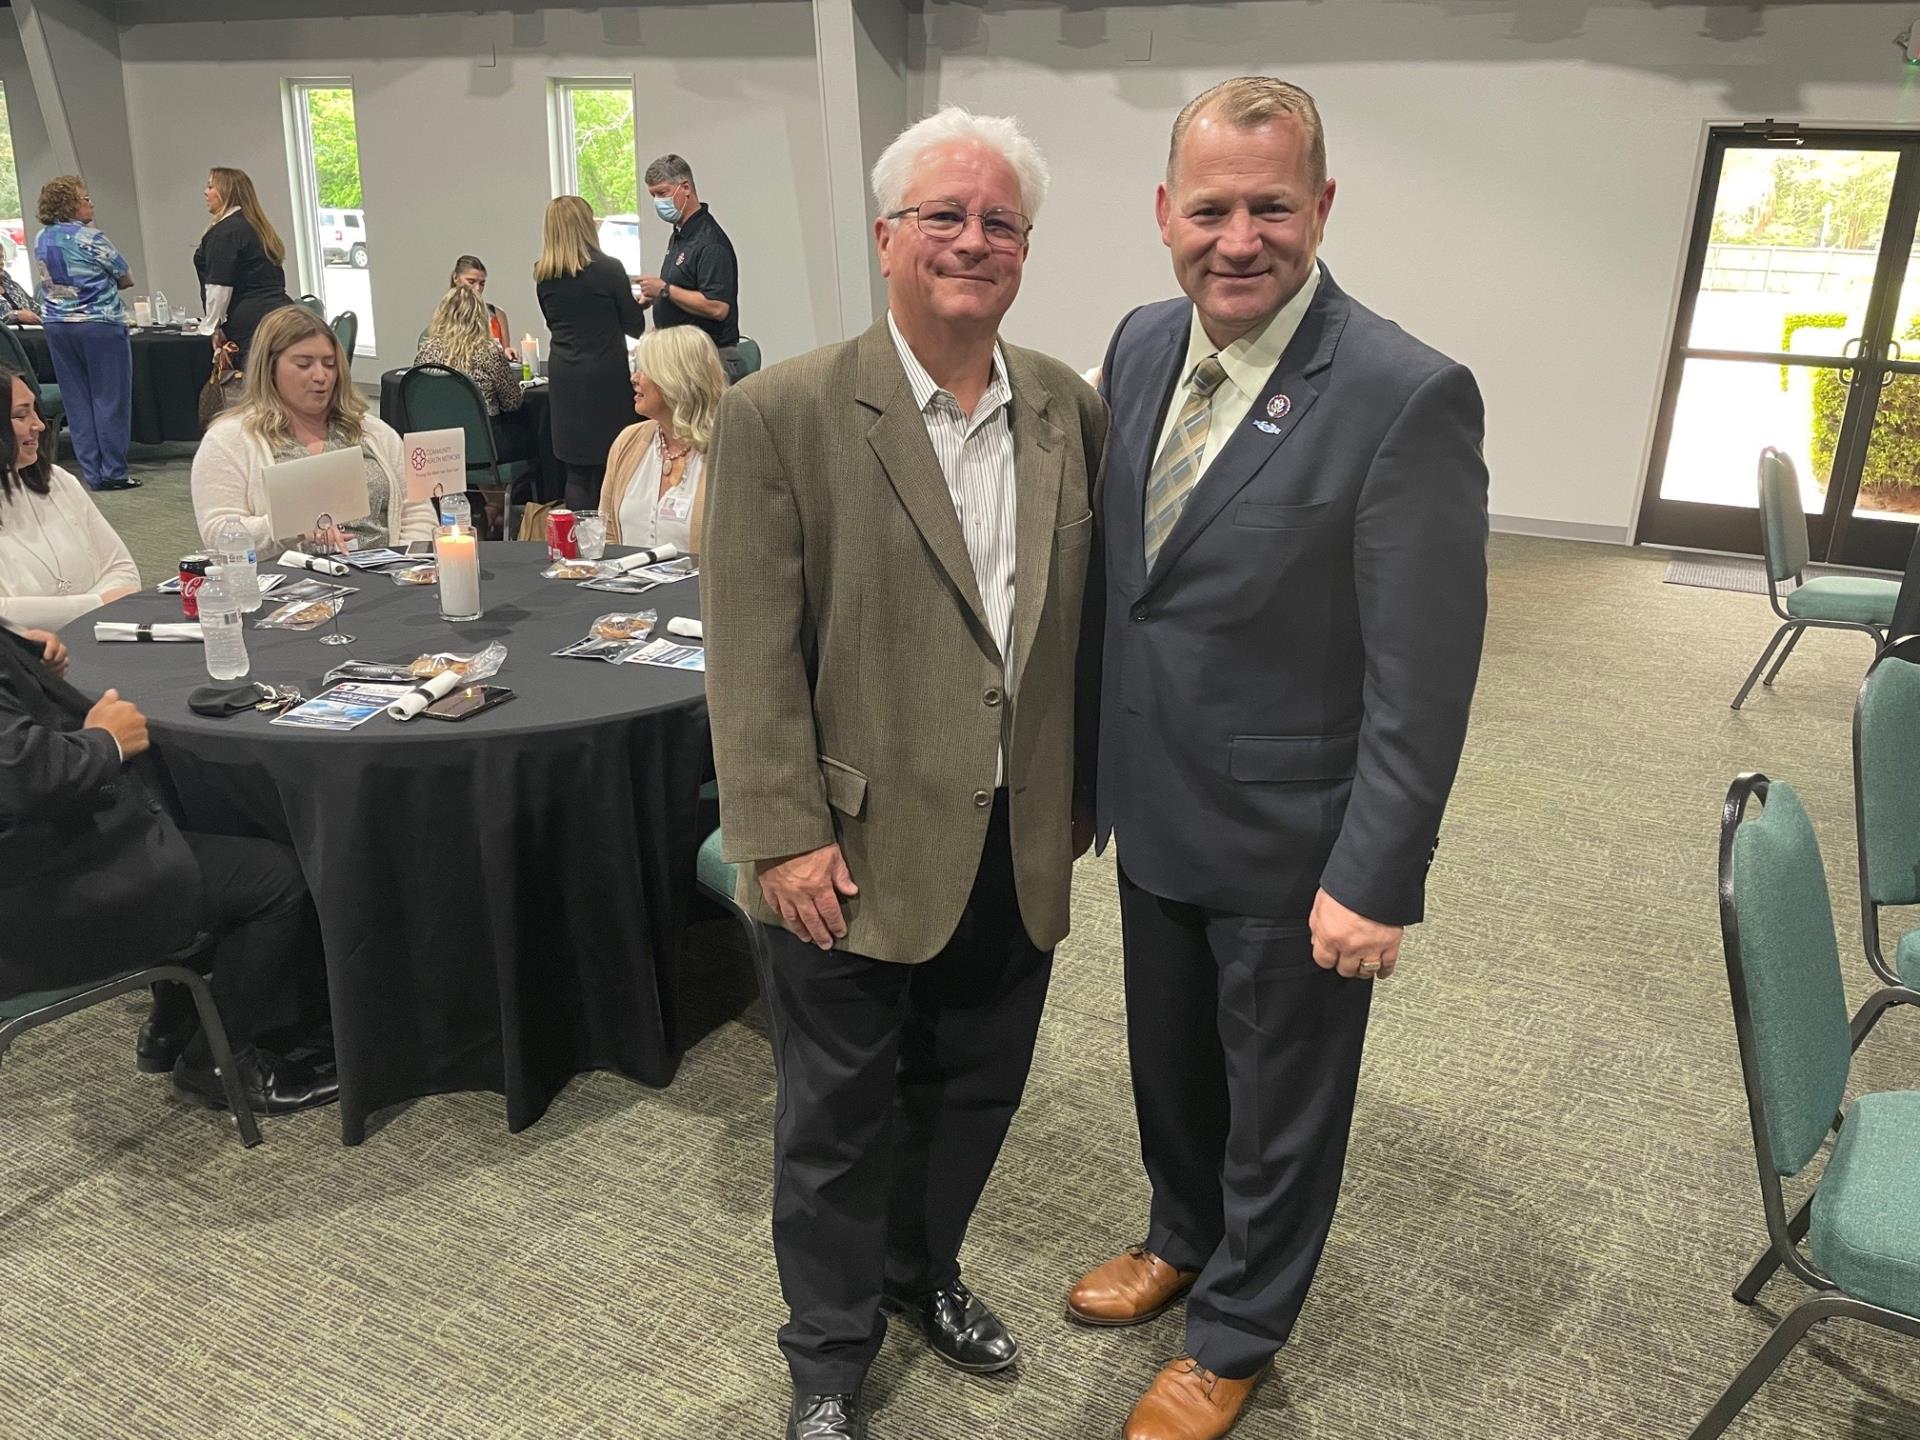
560 542
193 574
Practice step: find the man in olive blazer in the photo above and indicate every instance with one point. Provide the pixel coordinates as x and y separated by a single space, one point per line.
897 540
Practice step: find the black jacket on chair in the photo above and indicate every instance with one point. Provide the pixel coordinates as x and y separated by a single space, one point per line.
95 878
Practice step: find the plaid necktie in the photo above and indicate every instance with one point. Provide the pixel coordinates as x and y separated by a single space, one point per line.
1178 465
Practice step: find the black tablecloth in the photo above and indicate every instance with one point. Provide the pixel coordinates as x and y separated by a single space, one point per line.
531 425
501 899
169 371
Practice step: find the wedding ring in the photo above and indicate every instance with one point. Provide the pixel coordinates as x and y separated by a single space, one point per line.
1369 967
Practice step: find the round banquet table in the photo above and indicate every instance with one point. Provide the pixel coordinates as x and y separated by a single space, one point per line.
501 899
169 371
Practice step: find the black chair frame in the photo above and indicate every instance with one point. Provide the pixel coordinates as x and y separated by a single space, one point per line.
1894 990
180 973
1785 1232
1791 629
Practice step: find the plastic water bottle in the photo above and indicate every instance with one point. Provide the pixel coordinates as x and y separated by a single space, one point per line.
454 509
237 558
162 312
221 627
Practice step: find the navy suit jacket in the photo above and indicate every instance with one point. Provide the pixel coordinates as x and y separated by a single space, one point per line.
1283 698
94 877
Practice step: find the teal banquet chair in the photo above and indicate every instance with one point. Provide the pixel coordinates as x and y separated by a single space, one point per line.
715 878
313 303
1832 602
346 325
1886 812
1862 1222
20 1013
749 349
436 397
52 408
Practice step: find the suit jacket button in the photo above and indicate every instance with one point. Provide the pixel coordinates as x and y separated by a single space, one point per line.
1139 612
992 697
983 798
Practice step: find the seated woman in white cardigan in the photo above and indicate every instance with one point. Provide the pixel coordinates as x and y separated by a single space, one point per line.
299 400
59 558
654 492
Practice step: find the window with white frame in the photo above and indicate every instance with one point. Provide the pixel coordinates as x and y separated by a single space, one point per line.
594 157
13 236
330 220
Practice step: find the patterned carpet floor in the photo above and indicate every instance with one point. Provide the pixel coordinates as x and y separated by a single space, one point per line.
1550 1191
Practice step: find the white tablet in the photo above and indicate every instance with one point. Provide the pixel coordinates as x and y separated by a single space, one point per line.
300 491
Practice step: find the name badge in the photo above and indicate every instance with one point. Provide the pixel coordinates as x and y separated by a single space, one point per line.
676 506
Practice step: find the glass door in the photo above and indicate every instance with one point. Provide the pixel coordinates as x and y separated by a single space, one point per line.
1785 338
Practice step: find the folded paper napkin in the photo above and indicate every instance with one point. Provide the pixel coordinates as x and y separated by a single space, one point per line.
300 560
641 558
177 630
424 694
686 627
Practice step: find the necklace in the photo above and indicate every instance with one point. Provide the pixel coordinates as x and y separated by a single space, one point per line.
50 562
672 454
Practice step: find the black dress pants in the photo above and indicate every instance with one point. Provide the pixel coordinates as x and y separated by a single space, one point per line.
268 976
1245 1058
897 1084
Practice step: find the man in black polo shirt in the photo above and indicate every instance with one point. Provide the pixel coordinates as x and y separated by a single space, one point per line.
699 279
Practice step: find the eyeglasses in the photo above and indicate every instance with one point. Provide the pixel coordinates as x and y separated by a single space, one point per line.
944 220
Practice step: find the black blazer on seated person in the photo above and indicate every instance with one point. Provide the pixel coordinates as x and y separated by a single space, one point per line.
95 878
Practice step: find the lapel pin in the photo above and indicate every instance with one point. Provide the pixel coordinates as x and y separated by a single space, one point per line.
1278 406
1266 425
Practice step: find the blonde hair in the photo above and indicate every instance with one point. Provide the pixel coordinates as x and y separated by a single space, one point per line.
1247 102
262 411
60 199
236 192
568 240
459 326
683 362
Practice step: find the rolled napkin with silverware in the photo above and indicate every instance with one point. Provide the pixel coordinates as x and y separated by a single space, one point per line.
686 627
425 693
177 631
300 560
642 558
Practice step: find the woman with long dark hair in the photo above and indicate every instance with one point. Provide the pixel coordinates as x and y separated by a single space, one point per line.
240 262
59 558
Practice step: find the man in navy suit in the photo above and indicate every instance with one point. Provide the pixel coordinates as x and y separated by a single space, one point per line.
1293 531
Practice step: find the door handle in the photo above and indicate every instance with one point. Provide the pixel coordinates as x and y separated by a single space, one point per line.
1895 356
1849 353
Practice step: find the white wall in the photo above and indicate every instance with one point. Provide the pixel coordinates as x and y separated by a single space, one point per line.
452 116
1515 177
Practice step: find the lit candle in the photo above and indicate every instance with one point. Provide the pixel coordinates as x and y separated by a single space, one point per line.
457 552
529 357
142 312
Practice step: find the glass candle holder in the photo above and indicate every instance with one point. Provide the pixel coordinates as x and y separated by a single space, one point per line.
456 550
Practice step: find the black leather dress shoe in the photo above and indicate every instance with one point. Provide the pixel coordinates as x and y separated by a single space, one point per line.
959 1327
273 1086
168 1027
826 1417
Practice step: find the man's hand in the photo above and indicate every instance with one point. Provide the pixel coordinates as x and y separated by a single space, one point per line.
52 650
1350 943
651 287
805 890
122 720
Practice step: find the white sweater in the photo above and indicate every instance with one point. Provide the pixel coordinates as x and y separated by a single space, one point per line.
229 478
45 538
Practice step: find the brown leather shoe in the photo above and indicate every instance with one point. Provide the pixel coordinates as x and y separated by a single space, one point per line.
1186 1402
1129 1289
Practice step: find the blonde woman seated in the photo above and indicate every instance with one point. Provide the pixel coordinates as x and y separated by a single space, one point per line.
458 338
299 400
59 558
654 474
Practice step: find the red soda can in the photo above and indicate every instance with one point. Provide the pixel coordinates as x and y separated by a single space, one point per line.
193 574
560 543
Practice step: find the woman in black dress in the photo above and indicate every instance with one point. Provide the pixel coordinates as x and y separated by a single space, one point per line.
587 298
239 262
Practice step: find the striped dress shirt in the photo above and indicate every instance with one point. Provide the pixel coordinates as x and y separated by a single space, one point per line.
976 456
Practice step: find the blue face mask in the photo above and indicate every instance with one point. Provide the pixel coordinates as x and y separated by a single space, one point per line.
664 207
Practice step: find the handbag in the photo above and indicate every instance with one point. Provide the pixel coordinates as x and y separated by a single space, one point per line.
223 387
533 520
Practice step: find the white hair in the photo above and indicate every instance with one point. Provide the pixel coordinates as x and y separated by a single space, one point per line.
951 126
